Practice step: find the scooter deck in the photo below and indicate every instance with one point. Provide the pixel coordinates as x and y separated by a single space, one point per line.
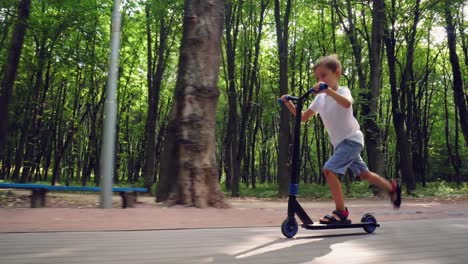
338 226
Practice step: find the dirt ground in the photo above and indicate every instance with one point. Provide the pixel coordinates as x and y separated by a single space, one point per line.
80 212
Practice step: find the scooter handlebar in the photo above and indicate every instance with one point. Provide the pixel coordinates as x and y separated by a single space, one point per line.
322 86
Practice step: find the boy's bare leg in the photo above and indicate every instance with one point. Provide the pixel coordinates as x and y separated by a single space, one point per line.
336 191
377 180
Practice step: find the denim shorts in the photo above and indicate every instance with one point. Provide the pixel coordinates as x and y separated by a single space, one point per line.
347 155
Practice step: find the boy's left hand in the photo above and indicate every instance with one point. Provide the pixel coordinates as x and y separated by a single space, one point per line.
316 87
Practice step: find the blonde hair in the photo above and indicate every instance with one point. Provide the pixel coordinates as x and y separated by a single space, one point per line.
330 62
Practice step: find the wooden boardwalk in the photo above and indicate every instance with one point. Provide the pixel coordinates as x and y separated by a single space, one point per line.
416 241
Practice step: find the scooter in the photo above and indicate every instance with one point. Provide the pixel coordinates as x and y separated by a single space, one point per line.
289 227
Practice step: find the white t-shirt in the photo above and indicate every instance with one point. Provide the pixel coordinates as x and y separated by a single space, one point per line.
339 121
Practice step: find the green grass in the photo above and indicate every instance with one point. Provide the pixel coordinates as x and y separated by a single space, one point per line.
312 191
440 189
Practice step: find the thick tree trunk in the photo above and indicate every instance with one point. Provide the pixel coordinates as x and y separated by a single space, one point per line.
459 94
189 154
11 70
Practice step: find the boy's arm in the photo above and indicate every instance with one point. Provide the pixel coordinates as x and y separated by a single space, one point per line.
290 106
307 114
341 100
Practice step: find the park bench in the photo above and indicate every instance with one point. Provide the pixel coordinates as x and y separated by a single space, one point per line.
38 196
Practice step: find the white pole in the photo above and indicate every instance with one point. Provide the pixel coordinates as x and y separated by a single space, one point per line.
110 112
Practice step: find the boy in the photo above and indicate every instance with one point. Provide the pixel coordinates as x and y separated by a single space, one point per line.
335 108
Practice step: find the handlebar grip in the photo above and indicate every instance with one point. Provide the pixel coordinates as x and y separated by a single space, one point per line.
322 86
288 97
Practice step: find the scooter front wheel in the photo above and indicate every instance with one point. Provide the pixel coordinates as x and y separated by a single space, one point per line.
289 227
368 218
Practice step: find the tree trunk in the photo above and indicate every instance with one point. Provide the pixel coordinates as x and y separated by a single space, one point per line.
58 134
373 134
458 92
11 70
369 92
150 125
32 123
251 91
154 78
6 165
282 36
253 140
407 83
403 147
454 158
190 151
231 140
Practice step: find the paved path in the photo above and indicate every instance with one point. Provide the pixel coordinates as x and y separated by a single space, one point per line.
410 241
244 213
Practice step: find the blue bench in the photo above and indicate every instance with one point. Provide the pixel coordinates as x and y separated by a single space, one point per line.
38 196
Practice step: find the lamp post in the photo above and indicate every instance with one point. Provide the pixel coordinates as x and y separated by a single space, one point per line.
110 112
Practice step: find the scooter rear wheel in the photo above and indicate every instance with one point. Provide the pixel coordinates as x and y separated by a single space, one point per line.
289 227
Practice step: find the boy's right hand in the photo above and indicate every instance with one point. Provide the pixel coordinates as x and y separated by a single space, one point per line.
283 97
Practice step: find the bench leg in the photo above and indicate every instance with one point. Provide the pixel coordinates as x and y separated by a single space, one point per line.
38 198
128 199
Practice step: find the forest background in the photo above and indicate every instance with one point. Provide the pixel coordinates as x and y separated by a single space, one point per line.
414 115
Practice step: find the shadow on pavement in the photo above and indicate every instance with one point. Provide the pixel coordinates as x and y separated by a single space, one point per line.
302 249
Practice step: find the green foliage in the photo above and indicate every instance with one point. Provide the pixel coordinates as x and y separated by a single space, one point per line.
311 190
442 189
437 189
59 91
